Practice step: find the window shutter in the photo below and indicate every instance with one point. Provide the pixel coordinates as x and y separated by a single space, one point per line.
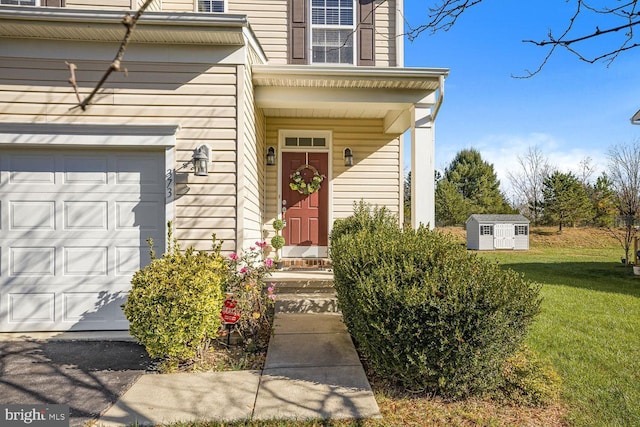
298 27
52 3
366 32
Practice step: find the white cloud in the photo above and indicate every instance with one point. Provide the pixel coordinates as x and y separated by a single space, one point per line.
502 150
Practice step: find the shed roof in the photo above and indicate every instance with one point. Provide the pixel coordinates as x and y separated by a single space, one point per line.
499 218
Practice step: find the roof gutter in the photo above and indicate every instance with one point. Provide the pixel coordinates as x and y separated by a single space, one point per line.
436 108
320 71
50 14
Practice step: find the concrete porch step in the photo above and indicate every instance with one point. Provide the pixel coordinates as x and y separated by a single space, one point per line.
305 292
306 303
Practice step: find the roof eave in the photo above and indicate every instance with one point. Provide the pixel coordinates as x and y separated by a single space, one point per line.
321 71
96 16
105 25
635 120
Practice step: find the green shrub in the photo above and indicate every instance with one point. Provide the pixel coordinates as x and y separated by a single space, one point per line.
175 302
364 219
277 242
422 311
530 380
278 224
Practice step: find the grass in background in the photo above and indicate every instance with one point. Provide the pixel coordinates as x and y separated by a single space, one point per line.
589 327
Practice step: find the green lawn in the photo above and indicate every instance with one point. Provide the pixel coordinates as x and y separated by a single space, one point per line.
589 327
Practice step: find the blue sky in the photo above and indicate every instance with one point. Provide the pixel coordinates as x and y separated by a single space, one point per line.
570 110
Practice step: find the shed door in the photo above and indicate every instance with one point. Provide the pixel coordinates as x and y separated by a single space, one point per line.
504 236
73 230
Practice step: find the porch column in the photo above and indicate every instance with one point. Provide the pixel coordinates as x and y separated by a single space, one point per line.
423 209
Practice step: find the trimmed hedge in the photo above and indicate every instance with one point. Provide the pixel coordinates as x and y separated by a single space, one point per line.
175 302
422 311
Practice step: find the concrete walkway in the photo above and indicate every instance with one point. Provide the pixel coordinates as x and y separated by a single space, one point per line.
312 371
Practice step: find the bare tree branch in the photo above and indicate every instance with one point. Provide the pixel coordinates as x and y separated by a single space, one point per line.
623 15
130 23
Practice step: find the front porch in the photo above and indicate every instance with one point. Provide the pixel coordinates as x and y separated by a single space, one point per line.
347 124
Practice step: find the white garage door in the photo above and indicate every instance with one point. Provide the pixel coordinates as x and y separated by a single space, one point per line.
73 229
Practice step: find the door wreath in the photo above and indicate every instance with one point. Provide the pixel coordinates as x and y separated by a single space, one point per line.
303 186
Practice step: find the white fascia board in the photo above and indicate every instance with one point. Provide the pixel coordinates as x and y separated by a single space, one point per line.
635 120
48 134
350 72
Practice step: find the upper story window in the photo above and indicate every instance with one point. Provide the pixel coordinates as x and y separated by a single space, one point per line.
332 31
20 2
211 6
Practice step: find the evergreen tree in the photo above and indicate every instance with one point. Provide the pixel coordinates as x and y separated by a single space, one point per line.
565 200
603 199
469 186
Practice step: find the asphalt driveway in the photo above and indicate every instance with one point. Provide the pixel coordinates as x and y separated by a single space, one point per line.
89 376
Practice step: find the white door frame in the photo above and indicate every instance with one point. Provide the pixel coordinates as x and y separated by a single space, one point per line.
307 251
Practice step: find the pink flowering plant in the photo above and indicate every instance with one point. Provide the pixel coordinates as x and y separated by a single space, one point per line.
254 296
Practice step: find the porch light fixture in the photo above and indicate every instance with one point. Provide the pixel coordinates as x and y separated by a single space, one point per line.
200 161
271 156
348 157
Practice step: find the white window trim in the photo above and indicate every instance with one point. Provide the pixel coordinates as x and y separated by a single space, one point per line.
354 33
491 231
226 7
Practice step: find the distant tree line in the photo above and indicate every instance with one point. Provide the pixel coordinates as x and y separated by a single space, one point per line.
542 193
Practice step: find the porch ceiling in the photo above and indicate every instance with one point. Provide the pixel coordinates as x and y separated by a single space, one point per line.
345 92
106 26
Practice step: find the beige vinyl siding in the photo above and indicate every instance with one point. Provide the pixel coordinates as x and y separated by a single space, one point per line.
268 20
155 6
386 33
374 177
178 5
101 4
200 98
251 166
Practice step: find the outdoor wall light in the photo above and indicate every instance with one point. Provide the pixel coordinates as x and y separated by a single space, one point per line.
200 161
348 157
271 156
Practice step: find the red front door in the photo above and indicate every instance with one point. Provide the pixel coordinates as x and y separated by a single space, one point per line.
306 215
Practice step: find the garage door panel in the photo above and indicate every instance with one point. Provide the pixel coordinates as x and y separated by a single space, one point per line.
138 170
130 259
92 307
32 261
73 230
31 308
32 215
147 216
32 169
85 170
89 215
85 261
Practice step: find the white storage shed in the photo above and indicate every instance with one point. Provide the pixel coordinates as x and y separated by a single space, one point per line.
486 232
